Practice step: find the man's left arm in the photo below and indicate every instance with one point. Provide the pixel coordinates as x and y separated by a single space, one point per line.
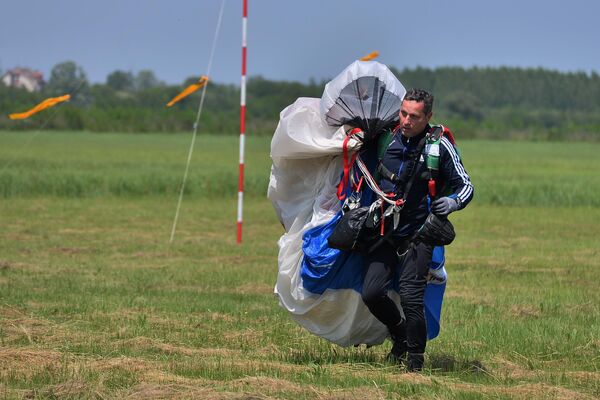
453 172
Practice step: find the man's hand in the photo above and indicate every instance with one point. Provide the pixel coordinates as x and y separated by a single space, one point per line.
444 206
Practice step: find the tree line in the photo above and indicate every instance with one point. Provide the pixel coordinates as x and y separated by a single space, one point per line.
474 102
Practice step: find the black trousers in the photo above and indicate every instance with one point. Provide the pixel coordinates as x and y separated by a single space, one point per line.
379 272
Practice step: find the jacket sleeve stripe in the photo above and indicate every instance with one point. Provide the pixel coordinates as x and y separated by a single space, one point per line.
467 190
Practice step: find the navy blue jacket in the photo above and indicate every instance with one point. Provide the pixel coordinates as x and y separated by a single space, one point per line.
451 172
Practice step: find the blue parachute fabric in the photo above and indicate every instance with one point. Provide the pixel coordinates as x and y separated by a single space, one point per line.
434 294
326 268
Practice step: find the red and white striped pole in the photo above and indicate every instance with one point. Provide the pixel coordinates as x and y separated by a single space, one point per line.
242 123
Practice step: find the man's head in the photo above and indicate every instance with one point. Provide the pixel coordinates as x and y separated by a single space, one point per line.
415 112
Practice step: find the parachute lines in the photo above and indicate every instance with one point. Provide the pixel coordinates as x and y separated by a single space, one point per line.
191 149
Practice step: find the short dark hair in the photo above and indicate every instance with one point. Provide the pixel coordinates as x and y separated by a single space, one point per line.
420 96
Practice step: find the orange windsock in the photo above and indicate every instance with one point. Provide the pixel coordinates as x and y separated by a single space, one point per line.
189 90
370 56
51 102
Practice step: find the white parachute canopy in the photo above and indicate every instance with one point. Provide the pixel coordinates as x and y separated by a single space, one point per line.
307 160
309 137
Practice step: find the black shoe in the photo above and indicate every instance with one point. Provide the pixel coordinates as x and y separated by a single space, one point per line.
414 362
398 353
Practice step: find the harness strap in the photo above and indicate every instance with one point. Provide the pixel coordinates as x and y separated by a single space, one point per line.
411 171
387 174
400 202
348 163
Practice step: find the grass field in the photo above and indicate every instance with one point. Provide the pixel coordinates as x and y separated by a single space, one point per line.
94 302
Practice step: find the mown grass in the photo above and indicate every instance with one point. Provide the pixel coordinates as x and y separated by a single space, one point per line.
94 302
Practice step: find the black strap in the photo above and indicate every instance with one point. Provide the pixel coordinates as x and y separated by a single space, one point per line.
435 133
411 171
408 172
407 187
387 174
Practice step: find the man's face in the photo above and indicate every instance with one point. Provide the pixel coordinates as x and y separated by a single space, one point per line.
413 119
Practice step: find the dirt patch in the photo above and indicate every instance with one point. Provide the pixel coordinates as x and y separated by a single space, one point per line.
4 265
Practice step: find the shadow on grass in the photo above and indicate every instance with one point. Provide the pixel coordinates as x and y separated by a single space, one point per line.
448 363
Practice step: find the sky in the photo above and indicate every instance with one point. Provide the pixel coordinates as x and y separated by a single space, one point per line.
296 40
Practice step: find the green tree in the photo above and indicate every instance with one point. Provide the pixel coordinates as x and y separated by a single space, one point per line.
120 80
145 79
68 78
465 105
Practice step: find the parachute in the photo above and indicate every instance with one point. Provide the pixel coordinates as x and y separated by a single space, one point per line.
320 286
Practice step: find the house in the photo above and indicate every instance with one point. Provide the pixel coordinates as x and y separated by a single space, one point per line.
32 81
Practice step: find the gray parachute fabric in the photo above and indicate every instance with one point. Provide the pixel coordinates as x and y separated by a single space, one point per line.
365 95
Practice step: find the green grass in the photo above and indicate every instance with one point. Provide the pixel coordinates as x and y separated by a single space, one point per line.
82 164
89 165
94 302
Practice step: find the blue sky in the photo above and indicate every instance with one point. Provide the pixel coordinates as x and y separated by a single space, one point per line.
297 40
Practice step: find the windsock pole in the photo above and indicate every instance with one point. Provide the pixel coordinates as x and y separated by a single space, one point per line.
242 123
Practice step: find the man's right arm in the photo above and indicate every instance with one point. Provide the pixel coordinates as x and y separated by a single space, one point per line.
453 172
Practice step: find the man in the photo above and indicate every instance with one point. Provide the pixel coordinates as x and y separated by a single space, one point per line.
404 157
